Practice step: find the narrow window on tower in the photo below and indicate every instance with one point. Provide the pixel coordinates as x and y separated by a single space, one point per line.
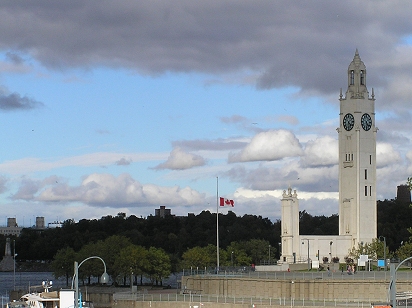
366 174
370 190
366 191
362 78
352 157
370 159
352 77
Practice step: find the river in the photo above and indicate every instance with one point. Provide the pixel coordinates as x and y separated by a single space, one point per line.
23 280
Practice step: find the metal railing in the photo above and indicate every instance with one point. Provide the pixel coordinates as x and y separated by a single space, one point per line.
198 298
246 272
4 300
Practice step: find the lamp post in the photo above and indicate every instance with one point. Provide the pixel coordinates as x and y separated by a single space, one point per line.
392 284
330 252
308 253
103 279
384 251
280 250
14 265
269 254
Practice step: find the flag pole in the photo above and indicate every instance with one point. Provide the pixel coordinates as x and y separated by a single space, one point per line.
217 223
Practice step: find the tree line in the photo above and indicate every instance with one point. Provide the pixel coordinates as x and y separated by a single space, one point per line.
173 234
190 240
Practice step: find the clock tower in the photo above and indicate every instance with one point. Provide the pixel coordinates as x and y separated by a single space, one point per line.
357 158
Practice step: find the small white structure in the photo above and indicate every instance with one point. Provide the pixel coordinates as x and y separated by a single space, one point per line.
298 248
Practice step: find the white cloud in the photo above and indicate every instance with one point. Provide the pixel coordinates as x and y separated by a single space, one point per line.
321 152
123 162
409 158
28 187
107 190
289 119
386 155
3 184
180 160
269 201
268 146
30 164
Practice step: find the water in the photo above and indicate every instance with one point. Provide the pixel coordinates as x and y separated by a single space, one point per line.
25 280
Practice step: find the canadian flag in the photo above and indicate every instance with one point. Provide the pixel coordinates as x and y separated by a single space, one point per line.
226 202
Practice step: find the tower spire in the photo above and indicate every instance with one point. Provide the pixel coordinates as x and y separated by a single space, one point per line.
357 78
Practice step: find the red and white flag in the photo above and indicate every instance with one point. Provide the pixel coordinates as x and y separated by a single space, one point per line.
226 202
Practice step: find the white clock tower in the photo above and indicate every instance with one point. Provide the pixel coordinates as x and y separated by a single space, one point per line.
357 158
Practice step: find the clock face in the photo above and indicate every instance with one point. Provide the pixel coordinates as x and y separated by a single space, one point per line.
348 121
366 121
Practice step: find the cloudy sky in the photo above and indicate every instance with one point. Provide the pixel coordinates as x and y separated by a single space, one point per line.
123 106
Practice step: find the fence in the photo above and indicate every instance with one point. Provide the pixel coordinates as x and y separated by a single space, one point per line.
246 272
4 300
201 299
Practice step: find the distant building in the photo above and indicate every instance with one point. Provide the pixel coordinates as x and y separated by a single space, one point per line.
55 224
40 223
11 222
12 228
403 194
162 212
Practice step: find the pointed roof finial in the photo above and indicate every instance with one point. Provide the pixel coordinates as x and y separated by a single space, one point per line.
357 62
357 58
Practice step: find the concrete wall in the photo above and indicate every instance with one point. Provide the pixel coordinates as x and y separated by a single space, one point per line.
328 289
148 304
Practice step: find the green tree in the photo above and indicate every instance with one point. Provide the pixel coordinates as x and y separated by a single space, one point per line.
405 251
238 255
63 263
257 249
132 260
92 267
199 257
159 265
109 250
374 250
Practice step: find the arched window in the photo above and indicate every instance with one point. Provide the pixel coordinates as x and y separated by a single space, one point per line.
352 77
362 78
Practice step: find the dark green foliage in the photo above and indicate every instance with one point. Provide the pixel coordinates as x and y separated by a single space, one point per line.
174 235
394 219
318 225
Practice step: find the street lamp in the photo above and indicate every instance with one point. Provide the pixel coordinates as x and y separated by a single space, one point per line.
308 253
103 279
280 249
384 251
330 252
392 284
269 254
14 265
